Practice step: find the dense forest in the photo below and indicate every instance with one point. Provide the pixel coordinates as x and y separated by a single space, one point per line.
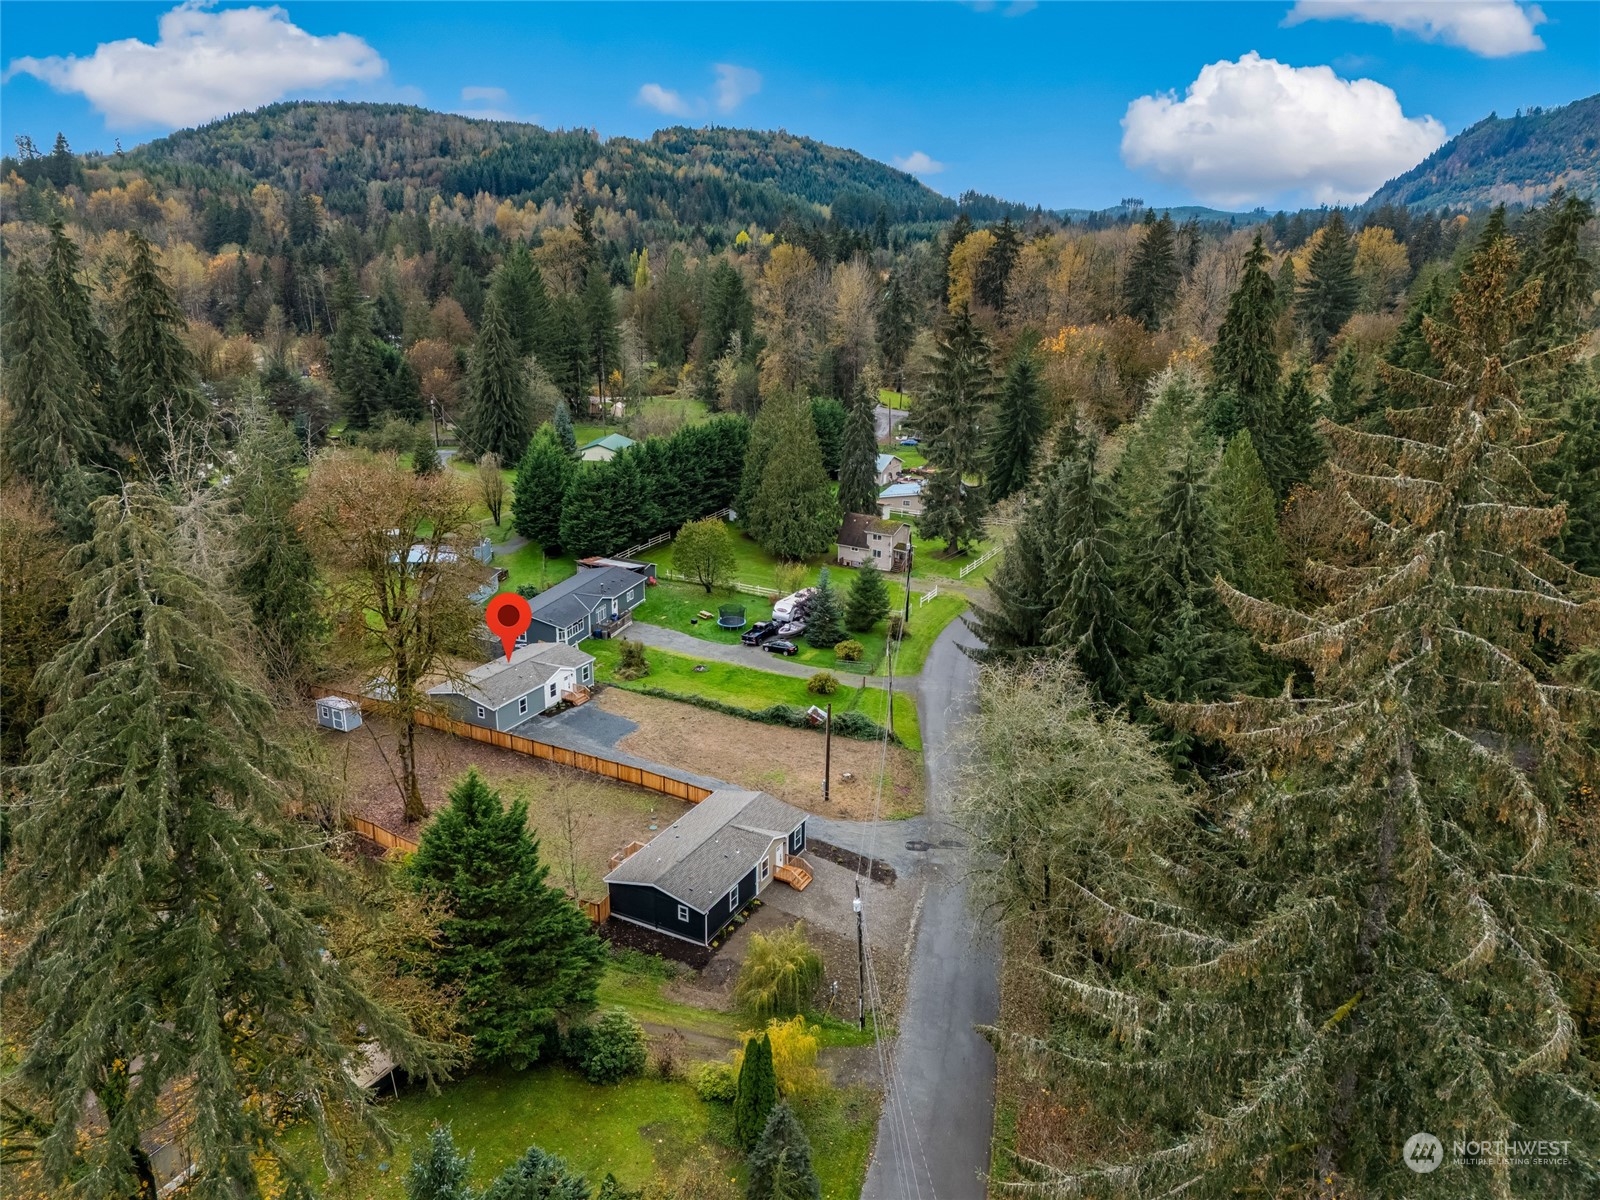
1290 658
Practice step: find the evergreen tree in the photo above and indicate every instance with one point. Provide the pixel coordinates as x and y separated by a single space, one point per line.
828 415
756 1093
538 1175
896 329
1243 511
792 512
1244 361
858 458
824 615
1018 427
1347 396
568 361
1566 277
63 276
543 476
1331 291
1293 447
994 272
602 343
1391 859
276 575
355 356
499 411
157 385
1026 587
565 434
167 935
1573 476
780 1165
605 508
869 599
523 955
726 312
1151 288
53 431
950 418
519 285
439 1171
424 454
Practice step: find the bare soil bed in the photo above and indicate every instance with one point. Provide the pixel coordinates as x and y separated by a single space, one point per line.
785 762
581 820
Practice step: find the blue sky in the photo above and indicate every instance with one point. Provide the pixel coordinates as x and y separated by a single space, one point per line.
1061 104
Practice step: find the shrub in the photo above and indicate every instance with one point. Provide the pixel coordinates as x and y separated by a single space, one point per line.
823 683
897 626
851 725
631 661
850 650
780 973
858 726
608 1049
717 1082
757 1090
788 577
792 1047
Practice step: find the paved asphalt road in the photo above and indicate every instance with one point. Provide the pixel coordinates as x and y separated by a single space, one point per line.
933 1137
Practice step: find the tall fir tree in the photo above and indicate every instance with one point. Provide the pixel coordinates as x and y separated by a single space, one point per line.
355 356
1573 475
868 602
1347 394
1566 276
525 958
756 1092
1244 361
858 457
170 940
565 434
1292 447
1328 296
1017 428
780 1165
896 328
1151 288
498 417
792 511
1026 587
1243 510
63 276
424 454
524 301
993 276
158 388
543 476
602 343
957 395
824 615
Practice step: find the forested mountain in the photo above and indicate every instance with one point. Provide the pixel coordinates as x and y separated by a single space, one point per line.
1506 160
349 152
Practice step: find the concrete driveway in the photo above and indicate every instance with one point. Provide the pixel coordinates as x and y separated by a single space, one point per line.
934 1134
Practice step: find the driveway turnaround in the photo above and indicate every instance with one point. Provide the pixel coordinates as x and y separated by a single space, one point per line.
938 1117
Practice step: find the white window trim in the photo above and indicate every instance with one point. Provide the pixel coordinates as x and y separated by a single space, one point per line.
683 913
733 898
522 706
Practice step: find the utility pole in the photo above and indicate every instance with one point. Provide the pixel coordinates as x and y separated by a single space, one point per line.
861 963
905 622
827 755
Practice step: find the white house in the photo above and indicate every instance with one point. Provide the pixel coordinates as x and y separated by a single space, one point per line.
888 469
502 695
902 499
883 542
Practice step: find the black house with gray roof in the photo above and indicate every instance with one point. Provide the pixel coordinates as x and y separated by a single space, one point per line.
696 874
596 602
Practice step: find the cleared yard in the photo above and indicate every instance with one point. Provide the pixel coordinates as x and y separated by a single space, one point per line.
603 815
785 762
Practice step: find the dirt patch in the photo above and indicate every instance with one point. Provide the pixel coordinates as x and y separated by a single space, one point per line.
878 870
580 819
785 762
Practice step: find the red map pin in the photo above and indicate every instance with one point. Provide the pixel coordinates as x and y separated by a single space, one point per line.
507 616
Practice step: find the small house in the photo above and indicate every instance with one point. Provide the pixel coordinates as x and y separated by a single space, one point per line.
882 541
903 499
888 469
502 695
596 602
335 712
694 877
606 448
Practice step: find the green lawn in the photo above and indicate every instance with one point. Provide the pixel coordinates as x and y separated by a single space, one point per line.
678 606
747 687
896 400
529 565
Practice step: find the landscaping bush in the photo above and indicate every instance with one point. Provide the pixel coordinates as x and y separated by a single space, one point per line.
859 727
439 1170
823 683
717 1082
897 626
850 650
756 1093
791 1049
780 973
631 661
824 615
608 1049
789 577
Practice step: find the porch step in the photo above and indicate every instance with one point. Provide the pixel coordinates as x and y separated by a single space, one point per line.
795 875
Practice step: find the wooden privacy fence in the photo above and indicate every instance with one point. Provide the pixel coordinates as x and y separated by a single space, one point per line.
377 833
622 772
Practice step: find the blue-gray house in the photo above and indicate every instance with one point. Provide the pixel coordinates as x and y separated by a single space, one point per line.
596 602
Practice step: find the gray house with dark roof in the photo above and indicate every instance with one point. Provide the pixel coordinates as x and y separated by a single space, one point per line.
596 602
694 876
502 695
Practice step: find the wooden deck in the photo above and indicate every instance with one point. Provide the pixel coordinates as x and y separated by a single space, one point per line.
796 873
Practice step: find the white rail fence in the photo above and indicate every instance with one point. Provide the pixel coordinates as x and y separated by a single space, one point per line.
977 562
722 514
749 589
926 596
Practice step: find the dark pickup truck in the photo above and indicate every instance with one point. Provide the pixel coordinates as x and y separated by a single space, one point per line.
758 633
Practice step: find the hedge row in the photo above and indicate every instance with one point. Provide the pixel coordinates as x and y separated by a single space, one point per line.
854 725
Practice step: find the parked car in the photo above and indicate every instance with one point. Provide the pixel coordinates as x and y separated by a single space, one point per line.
910 441
792 629
782 647
758 633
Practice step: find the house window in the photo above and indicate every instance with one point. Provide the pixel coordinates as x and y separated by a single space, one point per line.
765 867
797 840
522 706
876 553
480 712
683 914
324 713
733 897
552 691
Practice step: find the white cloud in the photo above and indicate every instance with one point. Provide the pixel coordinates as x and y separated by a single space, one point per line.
664 100
919 163
205 64
1248 131
484 95
735 85
1491 28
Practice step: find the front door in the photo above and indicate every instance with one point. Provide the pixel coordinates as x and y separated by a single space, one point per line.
782 850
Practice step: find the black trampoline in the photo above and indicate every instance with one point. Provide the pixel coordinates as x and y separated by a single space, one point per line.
730 616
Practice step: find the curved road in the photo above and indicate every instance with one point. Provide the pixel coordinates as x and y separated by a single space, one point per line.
934 1134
